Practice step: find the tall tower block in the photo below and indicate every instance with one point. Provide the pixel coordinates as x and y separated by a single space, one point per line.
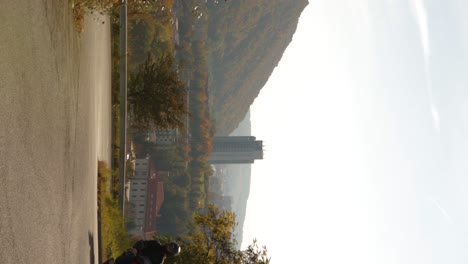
236 150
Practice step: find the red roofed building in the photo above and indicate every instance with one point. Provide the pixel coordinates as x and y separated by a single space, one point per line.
145 196
154 201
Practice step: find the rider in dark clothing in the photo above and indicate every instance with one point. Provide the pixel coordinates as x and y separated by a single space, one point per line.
155 251
151 250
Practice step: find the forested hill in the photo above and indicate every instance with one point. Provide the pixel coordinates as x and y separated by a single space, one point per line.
246 40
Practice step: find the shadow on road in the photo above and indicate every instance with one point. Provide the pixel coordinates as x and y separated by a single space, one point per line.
91 247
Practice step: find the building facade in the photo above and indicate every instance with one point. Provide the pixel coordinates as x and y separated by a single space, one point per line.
236 150
144 197
166 137
154 201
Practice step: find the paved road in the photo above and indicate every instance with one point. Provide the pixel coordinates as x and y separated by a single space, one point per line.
55 124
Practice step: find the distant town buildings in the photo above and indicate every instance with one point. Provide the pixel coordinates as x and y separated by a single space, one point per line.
144 197
226 150
236 150
145 189
166 137
163 137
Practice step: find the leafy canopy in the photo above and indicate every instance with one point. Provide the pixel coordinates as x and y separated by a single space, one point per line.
212 242
156 96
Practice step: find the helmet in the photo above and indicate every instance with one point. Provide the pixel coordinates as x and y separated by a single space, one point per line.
173 249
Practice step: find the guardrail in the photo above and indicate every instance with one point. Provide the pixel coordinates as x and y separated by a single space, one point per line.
123 103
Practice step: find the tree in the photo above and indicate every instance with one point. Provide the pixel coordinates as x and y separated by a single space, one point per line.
213 242
156 96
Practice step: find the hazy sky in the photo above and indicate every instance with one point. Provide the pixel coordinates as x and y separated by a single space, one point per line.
365 122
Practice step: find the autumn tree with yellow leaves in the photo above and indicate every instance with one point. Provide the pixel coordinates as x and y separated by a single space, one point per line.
213 242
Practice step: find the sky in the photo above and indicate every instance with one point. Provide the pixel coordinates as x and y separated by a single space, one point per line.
365 127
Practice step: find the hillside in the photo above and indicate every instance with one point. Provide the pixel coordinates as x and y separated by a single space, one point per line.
246 40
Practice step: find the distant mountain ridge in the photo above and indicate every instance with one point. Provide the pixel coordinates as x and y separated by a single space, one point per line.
230 49
246 40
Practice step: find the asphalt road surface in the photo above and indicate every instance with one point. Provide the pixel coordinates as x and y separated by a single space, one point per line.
54 126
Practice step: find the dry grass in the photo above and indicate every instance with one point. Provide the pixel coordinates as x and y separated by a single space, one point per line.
78 16
81 7
114 236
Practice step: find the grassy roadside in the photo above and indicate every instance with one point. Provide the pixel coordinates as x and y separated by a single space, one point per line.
114 236
115 95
